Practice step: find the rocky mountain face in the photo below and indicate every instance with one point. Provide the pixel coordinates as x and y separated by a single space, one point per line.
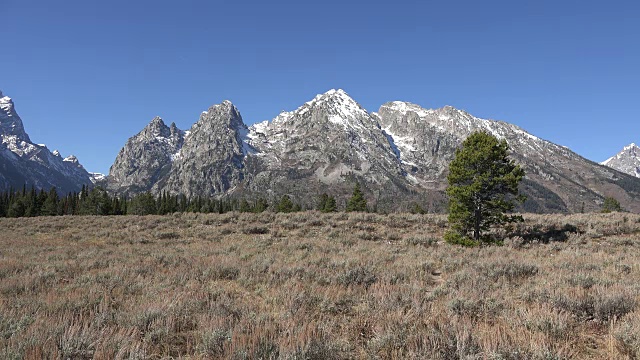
626 161
23 162
146 158
211 161
400 155
324 146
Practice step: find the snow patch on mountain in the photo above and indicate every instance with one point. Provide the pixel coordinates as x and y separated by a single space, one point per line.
246 142
401 145
18 146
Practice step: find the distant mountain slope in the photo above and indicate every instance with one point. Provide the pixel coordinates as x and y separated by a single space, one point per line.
24 163
400 154
627 160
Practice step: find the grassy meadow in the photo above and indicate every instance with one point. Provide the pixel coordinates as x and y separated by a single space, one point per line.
317 286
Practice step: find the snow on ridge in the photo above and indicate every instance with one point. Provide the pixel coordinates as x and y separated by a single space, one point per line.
629 148
18 146
261 126
6 105
405 107
341 108
451 120
461 118
608 161
71 159
95 177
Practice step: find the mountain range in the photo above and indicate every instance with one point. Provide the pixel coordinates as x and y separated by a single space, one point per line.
399 154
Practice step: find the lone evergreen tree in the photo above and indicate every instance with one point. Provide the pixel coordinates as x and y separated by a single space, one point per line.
611 204
357 202
483 185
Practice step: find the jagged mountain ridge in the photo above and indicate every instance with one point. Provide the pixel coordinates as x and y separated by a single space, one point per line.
24 163
146 157
400 154
557 179
210 161
626 161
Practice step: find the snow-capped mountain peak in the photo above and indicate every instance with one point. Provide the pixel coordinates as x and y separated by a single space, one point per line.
626 161
24 162
334 97
339 108
10 122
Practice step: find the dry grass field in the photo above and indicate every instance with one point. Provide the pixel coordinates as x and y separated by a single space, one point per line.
317 286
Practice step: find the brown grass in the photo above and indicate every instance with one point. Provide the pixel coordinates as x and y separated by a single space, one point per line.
317 286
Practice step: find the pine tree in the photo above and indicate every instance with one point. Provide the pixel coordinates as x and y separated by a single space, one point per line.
417 209
4 201
483 185
31 203
50 204
357 202
322 202
330 205
142 204
244 206
17 208
261 205
285 205
611 204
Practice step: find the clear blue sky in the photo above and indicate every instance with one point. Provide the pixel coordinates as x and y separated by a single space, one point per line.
87 75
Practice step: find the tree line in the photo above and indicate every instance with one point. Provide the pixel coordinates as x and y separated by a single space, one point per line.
31 202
